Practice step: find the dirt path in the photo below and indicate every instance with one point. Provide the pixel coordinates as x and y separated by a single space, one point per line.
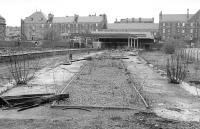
168 100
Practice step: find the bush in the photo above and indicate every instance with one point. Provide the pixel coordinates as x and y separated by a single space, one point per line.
176 69
169 48
21 68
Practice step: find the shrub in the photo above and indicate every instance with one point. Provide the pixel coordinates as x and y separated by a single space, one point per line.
176 69
21 68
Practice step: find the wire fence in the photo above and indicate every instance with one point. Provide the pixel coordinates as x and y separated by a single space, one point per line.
189 54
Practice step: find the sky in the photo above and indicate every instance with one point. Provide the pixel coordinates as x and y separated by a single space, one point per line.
15 10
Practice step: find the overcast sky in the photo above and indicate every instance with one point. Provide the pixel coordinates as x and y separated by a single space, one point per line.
14 10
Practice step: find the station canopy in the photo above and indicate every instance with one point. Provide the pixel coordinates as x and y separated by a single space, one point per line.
113 34
106 34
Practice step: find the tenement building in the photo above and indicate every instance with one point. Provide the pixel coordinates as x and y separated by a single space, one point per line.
2 28
173 25
79 24
193 28
39 27
34 26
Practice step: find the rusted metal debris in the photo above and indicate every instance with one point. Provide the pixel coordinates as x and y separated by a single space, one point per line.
25 102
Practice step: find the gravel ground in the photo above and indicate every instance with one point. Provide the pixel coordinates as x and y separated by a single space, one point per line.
103 82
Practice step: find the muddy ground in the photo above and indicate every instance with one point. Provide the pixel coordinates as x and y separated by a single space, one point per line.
103 82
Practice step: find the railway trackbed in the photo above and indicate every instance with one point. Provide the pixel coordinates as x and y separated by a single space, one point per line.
102 83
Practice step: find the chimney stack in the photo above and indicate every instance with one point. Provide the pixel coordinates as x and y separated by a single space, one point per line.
160 16
50 17
188 14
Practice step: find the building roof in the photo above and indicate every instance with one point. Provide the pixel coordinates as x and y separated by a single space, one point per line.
132 26
122 34
90 19
36 17
175 17
195 16
135 20
81 19
63 19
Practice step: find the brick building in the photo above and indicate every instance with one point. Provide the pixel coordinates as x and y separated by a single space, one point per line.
173 25
12 33
193 28
2 28
38 26
34 26
78 24
133 27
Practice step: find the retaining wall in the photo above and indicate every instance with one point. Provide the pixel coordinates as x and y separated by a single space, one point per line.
42 54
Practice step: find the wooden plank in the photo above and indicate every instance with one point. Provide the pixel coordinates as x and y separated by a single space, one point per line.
96 107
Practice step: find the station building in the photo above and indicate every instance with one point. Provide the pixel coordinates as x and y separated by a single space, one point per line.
132 35
2 28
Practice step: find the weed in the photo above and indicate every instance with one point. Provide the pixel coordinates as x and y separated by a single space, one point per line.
21 68
176 69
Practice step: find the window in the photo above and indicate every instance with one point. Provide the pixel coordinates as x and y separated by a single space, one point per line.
33 28
191 30
62 28
163 24
183 24
163 30
168 30
31 19
178 24
183 31
191 24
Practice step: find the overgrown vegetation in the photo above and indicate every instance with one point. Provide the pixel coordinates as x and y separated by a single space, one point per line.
21 68
169 48
176 69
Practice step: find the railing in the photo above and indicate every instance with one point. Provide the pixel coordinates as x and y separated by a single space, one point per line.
190 54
